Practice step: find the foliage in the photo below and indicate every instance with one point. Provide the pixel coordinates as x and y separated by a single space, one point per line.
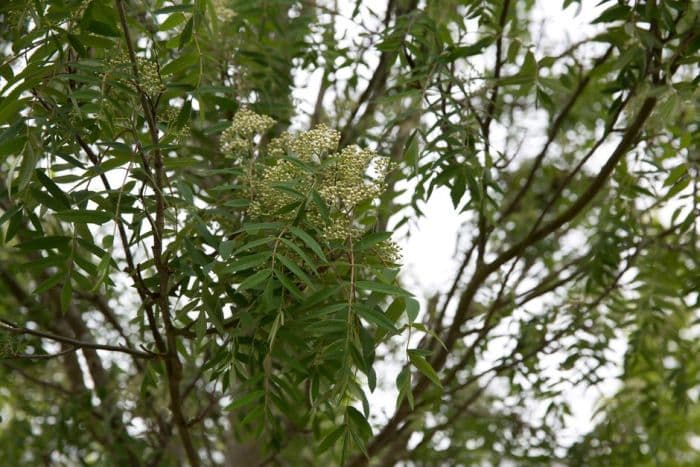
196 267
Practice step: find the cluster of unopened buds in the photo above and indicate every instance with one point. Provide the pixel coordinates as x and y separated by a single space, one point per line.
222 11
170 115
298 165
149 80
239 136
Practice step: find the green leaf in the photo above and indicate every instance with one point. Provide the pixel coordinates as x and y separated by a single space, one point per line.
294 247
248 262
253 227
85 216
403 384
245 400
614 13
296 293
172 21
373 316
45 243
309 241
371 239
49 283
412 309
330 439
56 192
237 203
253 244
386 289
226 248
423 366
296 270
254 280
527 74
66 295
359 427
186 35
318 313
421 327
181 63
467 50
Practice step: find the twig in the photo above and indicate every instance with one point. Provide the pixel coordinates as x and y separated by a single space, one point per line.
14 328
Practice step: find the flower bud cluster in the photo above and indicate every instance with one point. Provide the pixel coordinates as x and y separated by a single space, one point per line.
346 182
280 146
388 251
170 115
246 124
313 144
223 13
149 79
269 195
344 179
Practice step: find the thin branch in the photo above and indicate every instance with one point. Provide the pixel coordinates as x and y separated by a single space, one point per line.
553 132
172 362
48 356
15 329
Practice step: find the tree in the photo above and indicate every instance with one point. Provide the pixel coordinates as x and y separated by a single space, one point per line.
197 268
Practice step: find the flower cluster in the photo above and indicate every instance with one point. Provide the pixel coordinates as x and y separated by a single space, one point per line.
246 124
299 167
223 12
313 144
280 146
280 185
389 252
170 115
149 79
